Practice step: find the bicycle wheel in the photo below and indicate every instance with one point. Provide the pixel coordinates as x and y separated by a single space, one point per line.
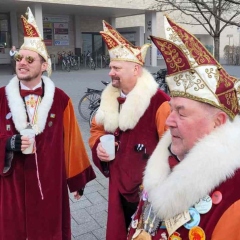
63 65
93 65
87 104
76 65
92 115
68 66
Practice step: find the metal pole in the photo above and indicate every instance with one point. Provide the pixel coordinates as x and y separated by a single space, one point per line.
238 29
228 49
79 61
54 63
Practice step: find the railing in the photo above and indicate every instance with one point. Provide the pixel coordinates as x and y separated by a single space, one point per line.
101 61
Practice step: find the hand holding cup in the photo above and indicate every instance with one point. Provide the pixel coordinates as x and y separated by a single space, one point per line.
106 148
28 140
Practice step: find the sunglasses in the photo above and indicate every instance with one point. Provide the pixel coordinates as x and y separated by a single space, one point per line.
18 58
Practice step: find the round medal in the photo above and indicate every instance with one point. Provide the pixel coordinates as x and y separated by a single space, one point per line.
196 233
134 223
195 219
204 205
142 235
9 115
216 197
175 236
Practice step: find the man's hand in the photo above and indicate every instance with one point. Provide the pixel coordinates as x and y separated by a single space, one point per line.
25 142
102 154
17 143
76 195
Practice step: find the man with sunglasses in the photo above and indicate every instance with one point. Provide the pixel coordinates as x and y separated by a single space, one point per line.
34 202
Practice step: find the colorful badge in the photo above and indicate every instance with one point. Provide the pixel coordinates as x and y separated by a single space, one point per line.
164 236
52 115
134 223
9 115
195 219
216 197
163 225
175 236
144 196
196 233
204 205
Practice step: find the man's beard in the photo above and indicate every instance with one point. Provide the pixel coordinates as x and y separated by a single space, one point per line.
117 82
28 78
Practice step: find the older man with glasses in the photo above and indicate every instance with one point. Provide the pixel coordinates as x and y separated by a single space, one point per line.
37 166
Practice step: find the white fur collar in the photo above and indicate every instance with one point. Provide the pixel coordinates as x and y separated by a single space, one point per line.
214 159
17 106
132 110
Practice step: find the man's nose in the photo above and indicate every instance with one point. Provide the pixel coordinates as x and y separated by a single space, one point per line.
170 121
111 72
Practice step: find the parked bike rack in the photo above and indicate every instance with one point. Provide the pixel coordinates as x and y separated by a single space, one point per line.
53 60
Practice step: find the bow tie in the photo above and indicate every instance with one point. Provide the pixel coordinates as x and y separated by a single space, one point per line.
37 91
121 100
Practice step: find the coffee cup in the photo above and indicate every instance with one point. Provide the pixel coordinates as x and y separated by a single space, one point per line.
30 133
108 143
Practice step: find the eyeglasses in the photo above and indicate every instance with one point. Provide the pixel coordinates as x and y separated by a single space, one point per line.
18 58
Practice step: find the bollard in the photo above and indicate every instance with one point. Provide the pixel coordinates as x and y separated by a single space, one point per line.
54 63
79 61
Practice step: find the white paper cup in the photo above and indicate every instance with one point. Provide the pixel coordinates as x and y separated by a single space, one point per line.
31 134
108 143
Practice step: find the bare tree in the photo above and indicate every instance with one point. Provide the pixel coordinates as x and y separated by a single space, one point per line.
213 15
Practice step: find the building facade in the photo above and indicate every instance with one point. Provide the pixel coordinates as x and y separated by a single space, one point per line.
73 26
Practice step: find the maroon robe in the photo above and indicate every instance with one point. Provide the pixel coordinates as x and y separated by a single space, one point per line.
62 161
210 170
224 227
126 170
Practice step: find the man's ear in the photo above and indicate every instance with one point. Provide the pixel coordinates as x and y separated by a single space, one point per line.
44 66
137 69
220 118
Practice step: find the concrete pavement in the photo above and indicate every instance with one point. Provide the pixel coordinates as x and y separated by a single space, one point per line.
89 214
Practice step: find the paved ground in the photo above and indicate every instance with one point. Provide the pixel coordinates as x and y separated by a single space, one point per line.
90 213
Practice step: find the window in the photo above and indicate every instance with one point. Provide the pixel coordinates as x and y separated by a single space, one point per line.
4 31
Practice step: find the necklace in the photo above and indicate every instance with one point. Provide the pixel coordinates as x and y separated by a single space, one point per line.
151 221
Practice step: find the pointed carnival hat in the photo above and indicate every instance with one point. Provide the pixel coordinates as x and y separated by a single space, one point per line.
33 40
120 49
194 73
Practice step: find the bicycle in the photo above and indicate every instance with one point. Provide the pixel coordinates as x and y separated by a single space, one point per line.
106 61
160 77
93 113
90 61
89 101
65 62
73 61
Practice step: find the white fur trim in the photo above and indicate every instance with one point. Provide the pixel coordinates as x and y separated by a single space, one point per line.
210 162
132 110
17 106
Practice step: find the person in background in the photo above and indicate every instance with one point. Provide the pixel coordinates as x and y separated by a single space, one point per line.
12 52
34 201
134 110
190 181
